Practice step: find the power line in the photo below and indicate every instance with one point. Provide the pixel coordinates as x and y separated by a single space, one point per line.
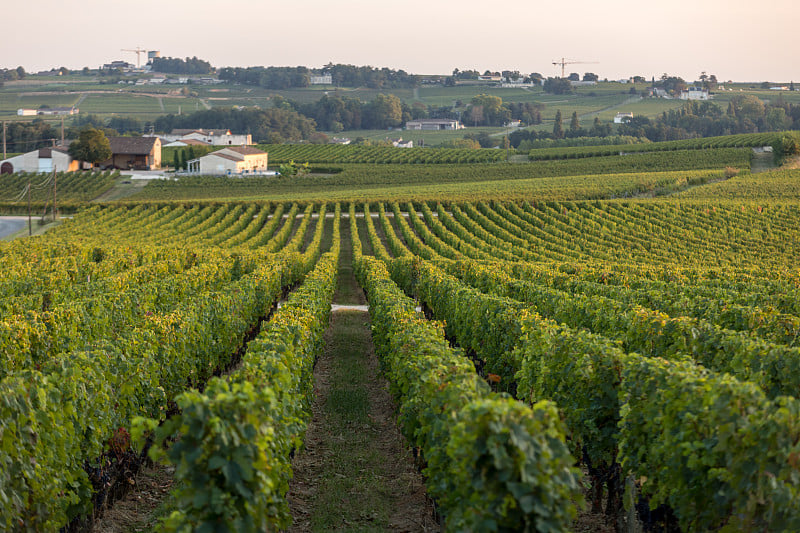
50 140
45 184
21 195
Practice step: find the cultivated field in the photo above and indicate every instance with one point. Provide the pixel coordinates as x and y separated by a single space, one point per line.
557 336
150 101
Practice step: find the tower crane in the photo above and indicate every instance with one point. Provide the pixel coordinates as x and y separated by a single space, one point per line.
564 63
138 52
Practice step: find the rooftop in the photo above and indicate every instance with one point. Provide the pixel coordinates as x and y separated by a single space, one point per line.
132 145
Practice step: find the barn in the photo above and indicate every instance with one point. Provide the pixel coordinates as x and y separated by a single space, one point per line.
134 153
41 160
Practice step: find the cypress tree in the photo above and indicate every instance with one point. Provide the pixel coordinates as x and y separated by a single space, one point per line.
574 125
558 126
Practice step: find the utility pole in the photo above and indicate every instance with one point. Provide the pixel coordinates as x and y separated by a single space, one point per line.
4 139
62 130
55 177
30 225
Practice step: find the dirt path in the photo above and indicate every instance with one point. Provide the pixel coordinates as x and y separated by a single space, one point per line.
355 472
139 509
793 163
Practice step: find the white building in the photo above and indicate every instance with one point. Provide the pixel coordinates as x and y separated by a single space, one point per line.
186 142
434 124
214 137
325 79
24 112
659 93
231 161
694 93
400 143
41 160
622 118
122 65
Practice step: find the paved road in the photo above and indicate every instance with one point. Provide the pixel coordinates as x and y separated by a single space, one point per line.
10 225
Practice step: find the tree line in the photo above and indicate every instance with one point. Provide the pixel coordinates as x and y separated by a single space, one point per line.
289 120
281 78
743 114
176 65
273 125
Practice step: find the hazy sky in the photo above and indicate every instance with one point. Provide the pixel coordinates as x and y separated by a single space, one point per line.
733 39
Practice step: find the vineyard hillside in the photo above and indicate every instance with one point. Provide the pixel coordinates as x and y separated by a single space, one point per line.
601 338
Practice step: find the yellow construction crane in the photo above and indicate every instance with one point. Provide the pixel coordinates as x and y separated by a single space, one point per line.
564 63
138 51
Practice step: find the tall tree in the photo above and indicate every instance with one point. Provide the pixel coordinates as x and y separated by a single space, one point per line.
557 86
558 126
92 146
574 124
386 111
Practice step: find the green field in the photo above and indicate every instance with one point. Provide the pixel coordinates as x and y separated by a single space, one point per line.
556 336
147 102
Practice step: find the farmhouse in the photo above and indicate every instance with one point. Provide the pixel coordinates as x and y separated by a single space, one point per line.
121 65
694 93
41 160
222 137
622 118
234 160
400 143
72 110
434 124
656 92
134 153
325 79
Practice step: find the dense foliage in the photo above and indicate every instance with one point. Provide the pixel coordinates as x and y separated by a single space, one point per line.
337 154
27 136
342 76
492 463
625 353
270 125
72 189
176 65
655 341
